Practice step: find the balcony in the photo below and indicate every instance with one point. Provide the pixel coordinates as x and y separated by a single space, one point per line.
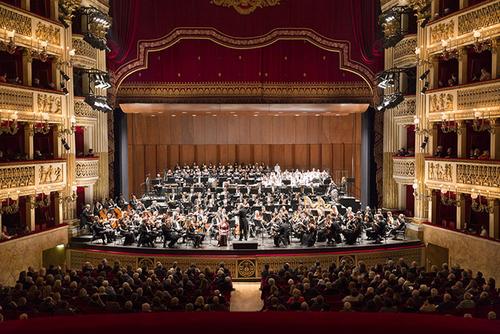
29 102
87 171
461 102
404 52
465 176
26 177
85 55
403 169
30 29
460 26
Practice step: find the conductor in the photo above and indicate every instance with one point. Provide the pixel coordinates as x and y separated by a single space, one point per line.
242 213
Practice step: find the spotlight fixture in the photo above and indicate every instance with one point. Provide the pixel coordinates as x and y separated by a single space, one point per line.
65 76
424 143
98 102
65 91
425 74
425 88
97 27
65 144
391 101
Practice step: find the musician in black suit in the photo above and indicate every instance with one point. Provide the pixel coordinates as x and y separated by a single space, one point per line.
401 226
169 234
145 236
86 217
242 213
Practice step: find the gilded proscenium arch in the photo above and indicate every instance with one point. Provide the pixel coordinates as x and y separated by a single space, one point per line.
144 47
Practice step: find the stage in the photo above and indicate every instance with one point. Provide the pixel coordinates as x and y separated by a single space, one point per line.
245 264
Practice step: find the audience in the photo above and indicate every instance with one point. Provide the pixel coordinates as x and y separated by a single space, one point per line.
112 288
395 286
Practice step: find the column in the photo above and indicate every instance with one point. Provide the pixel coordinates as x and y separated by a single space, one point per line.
433 75
54 10
495 140
56 76
401 196
58 208
87 138
89 194
434 136
1 227
434 8
464 3
460 211
25 4
462 66
27 69
58 148
494 228
433 207
29 146
462 140
30 212
495 59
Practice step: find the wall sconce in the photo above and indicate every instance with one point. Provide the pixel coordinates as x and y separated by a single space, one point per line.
68 132
44 202
9 46
38 52
418 196
71 198
421 61
10 126
481 123
418 130
449 125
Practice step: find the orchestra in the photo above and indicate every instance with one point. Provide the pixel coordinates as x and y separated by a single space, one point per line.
223 203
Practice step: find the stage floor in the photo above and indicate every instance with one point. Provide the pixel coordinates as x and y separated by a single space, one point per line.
265 246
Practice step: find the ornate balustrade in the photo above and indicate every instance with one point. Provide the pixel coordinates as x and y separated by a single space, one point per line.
83 110
29 102
87 170
403 169
29 177
465 176
459 27
31 29
404 51
85 55
404 113
461 102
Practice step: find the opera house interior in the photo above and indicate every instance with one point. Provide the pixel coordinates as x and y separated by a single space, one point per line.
269 165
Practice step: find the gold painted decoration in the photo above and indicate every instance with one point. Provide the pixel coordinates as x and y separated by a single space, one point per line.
245 7
87 169
441 102
50 174
12 177
440 172
49 33
484 16
12 20
442 31
49 103
246 268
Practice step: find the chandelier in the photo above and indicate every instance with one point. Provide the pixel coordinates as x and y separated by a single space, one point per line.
9 46
43 202
449 125
418 130
68 131
42 126
478 205
481 123
9 126
447 53
447 199
38 51
481 45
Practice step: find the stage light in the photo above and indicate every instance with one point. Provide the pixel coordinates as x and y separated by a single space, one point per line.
65 76
424 143
425 88
65 91
424 75
65 144
424 22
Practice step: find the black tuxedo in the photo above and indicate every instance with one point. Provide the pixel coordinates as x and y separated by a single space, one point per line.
242 213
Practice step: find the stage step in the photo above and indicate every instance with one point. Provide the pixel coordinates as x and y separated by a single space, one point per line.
82 238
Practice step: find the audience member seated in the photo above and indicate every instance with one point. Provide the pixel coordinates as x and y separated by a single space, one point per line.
36 83
395 286
475 153
485 75
449 153
3 77
112 288
403 152
484 156
439 152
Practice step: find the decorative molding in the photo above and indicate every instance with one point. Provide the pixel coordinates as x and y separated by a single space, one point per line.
439 171
14 99
31 177
404 51
48 103
245 7
405 108
403 170
144 47
85 54
49 33
87 169
485 16
244 90
82 109
480 97
12 20
441 102
442 31
477 174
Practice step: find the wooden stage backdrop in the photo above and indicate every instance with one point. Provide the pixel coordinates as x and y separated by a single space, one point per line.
304 142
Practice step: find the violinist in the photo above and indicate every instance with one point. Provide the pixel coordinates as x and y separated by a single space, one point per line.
168 232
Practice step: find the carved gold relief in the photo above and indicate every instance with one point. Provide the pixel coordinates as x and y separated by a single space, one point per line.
484 96
247 268
403 168
441 102
83 49
17 176
49 103
15 99
482 17
479 175
86 169
50 175
442 31
440 172
82 109
11 20
49 33
245 7
405 108
405 47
